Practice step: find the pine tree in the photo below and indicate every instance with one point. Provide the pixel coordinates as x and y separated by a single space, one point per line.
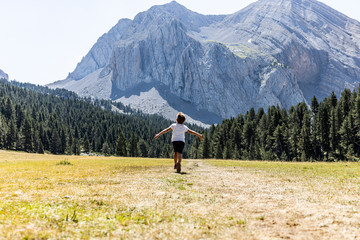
262 131
356 117
294 141
345 102
98 143
27 133
43 138
218 148
3 129
252 150
236 154
76 147
63 146
11 136
324 128
133 148
165 151
152 152
194 150
55 142
248 134
20 116
143 148
40 148
105 149
121 145
86 144
9 109
314 106
279 141
333 100
235 134
334 138
205 147
347 137
228 151
305 139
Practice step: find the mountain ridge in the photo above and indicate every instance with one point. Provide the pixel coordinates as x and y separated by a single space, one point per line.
270 53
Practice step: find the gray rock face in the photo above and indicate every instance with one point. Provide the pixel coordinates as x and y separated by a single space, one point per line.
3 75
273 52
320 44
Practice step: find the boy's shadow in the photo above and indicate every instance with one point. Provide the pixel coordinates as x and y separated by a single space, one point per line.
183 173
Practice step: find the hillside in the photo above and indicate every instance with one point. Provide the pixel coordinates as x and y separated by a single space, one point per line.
278 52
38 119
328 130
60 122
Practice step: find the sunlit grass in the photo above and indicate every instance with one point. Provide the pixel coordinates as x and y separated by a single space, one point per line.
319 169
51 196
335 182
84 197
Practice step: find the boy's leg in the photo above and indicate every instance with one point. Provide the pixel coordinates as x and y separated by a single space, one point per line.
179 158
178 165
175 159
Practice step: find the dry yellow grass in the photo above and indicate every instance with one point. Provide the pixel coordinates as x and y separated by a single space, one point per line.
42 197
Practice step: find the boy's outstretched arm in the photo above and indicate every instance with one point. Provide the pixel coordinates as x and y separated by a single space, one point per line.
162 132
195 133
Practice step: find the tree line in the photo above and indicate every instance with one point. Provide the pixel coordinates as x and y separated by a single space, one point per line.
37 119
323 131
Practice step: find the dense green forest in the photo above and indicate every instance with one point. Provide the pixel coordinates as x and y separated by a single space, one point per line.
38 119
324 131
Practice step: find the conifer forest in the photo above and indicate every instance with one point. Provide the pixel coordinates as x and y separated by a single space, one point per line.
38 119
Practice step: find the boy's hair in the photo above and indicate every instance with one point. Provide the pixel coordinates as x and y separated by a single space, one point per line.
180 118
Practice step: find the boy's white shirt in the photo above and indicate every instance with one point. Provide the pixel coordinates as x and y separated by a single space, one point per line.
179 131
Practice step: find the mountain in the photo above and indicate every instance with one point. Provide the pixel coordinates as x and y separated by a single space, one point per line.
273 52
3 75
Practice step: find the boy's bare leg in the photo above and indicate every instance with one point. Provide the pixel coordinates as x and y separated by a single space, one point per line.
178 165
175 158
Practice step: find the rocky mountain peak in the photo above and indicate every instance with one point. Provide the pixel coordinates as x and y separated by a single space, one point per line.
173 10
273 52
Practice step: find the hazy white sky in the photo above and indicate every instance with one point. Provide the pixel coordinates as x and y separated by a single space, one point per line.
41 41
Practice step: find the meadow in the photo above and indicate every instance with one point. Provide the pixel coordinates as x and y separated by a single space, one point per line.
83 197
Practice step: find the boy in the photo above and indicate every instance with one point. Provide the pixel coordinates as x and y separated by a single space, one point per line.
178 138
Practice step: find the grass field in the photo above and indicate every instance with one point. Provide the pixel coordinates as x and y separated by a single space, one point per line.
72 197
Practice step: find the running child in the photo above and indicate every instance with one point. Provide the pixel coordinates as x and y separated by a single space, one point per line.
178 138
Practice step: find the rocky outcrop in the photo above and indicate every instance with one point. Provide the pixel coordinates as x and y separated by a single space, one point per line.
274 52
320 44
3 75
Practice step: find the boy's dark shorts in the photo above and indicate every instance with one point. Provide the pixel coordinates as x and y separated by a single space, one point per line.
178 146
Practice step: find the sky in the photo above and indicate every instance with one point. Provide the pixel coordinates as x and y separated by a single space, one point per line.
41 41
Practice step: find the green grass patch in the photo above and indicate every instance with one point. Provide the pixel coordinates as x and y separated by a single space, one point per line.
65 162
